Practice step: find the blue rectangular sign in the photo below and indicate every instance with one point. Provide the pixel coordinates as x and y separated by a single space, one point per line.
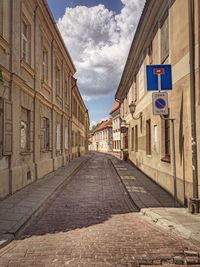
165 72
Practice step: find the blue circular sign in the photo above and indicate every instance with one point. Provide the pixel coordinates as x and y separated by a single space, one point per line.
160 103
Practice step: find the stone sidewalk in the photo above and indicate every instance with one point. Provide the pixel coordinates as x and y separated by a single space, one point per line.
18 209
156 204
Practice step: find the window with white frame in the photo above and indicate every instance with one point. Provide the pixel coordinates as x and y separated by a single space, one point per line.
45 65
25 41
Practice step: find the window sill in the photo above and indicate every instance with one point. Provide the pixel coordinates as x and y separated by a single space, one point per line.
26 153
149 156
166 159
27 67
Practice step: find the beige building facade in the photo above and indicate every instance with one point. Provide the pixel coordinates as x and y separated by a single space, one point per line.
168 33
35 95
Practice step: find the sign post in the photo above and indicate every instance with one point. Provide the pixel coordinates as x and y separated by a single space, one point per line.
159 78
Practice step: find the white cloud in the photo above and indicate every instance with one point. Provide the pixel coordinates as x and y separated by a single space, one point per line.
98 41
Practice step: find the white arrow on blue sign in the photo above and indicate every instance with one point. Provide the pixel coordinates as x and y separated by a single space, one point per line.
159 77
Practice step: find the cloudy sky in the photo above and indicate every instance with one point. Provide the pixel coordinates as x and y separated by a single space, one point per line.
98 34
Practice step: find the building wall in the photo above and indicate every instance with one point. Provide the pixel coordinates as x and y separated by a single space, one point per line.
154 162
35 97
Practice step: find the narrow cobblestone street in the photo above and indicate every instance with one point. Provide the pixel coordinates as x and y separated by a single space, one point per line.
92 222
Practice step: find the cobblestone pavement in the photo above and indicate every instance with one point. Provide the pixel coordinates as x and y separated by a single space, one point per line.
93 223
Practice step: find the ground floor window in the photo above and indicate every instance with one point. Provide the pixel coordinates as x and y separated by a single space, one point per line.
25 129
148 137
66 138
136 138
132 138
165 140
45 134
58 137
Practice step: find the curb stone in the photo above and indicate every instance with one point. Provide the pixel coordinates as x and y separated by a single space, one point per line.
171 226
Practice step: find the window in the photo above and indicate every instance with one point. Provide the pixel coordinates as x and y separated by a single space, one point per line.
66 137
45 134
25 42
148 137
132 138
136 138
6 133
72 138
45 66
167 138
136 88
58 91
58 137
66 93
76 138
164 32
25 130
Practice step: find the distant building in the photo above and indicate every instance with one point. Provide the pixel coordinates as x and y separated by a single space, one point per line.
167 33
116 120
102 137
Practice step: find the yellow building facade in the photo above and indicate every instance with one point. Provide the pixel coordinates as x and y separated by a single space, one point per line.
35 95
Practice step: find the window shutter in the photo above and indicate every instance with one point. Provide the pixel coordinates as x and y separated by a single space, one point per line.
7 127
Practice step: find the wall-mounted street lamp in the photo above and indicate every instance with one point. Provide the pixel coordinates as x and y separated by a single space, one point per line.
123 124
132 108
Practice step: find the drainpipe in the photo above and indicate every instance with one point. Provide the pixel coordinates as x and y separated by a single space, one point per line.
192 97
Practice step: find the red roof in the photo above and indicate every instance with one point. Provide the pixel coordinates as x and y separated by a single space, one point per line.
103 125
116 106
